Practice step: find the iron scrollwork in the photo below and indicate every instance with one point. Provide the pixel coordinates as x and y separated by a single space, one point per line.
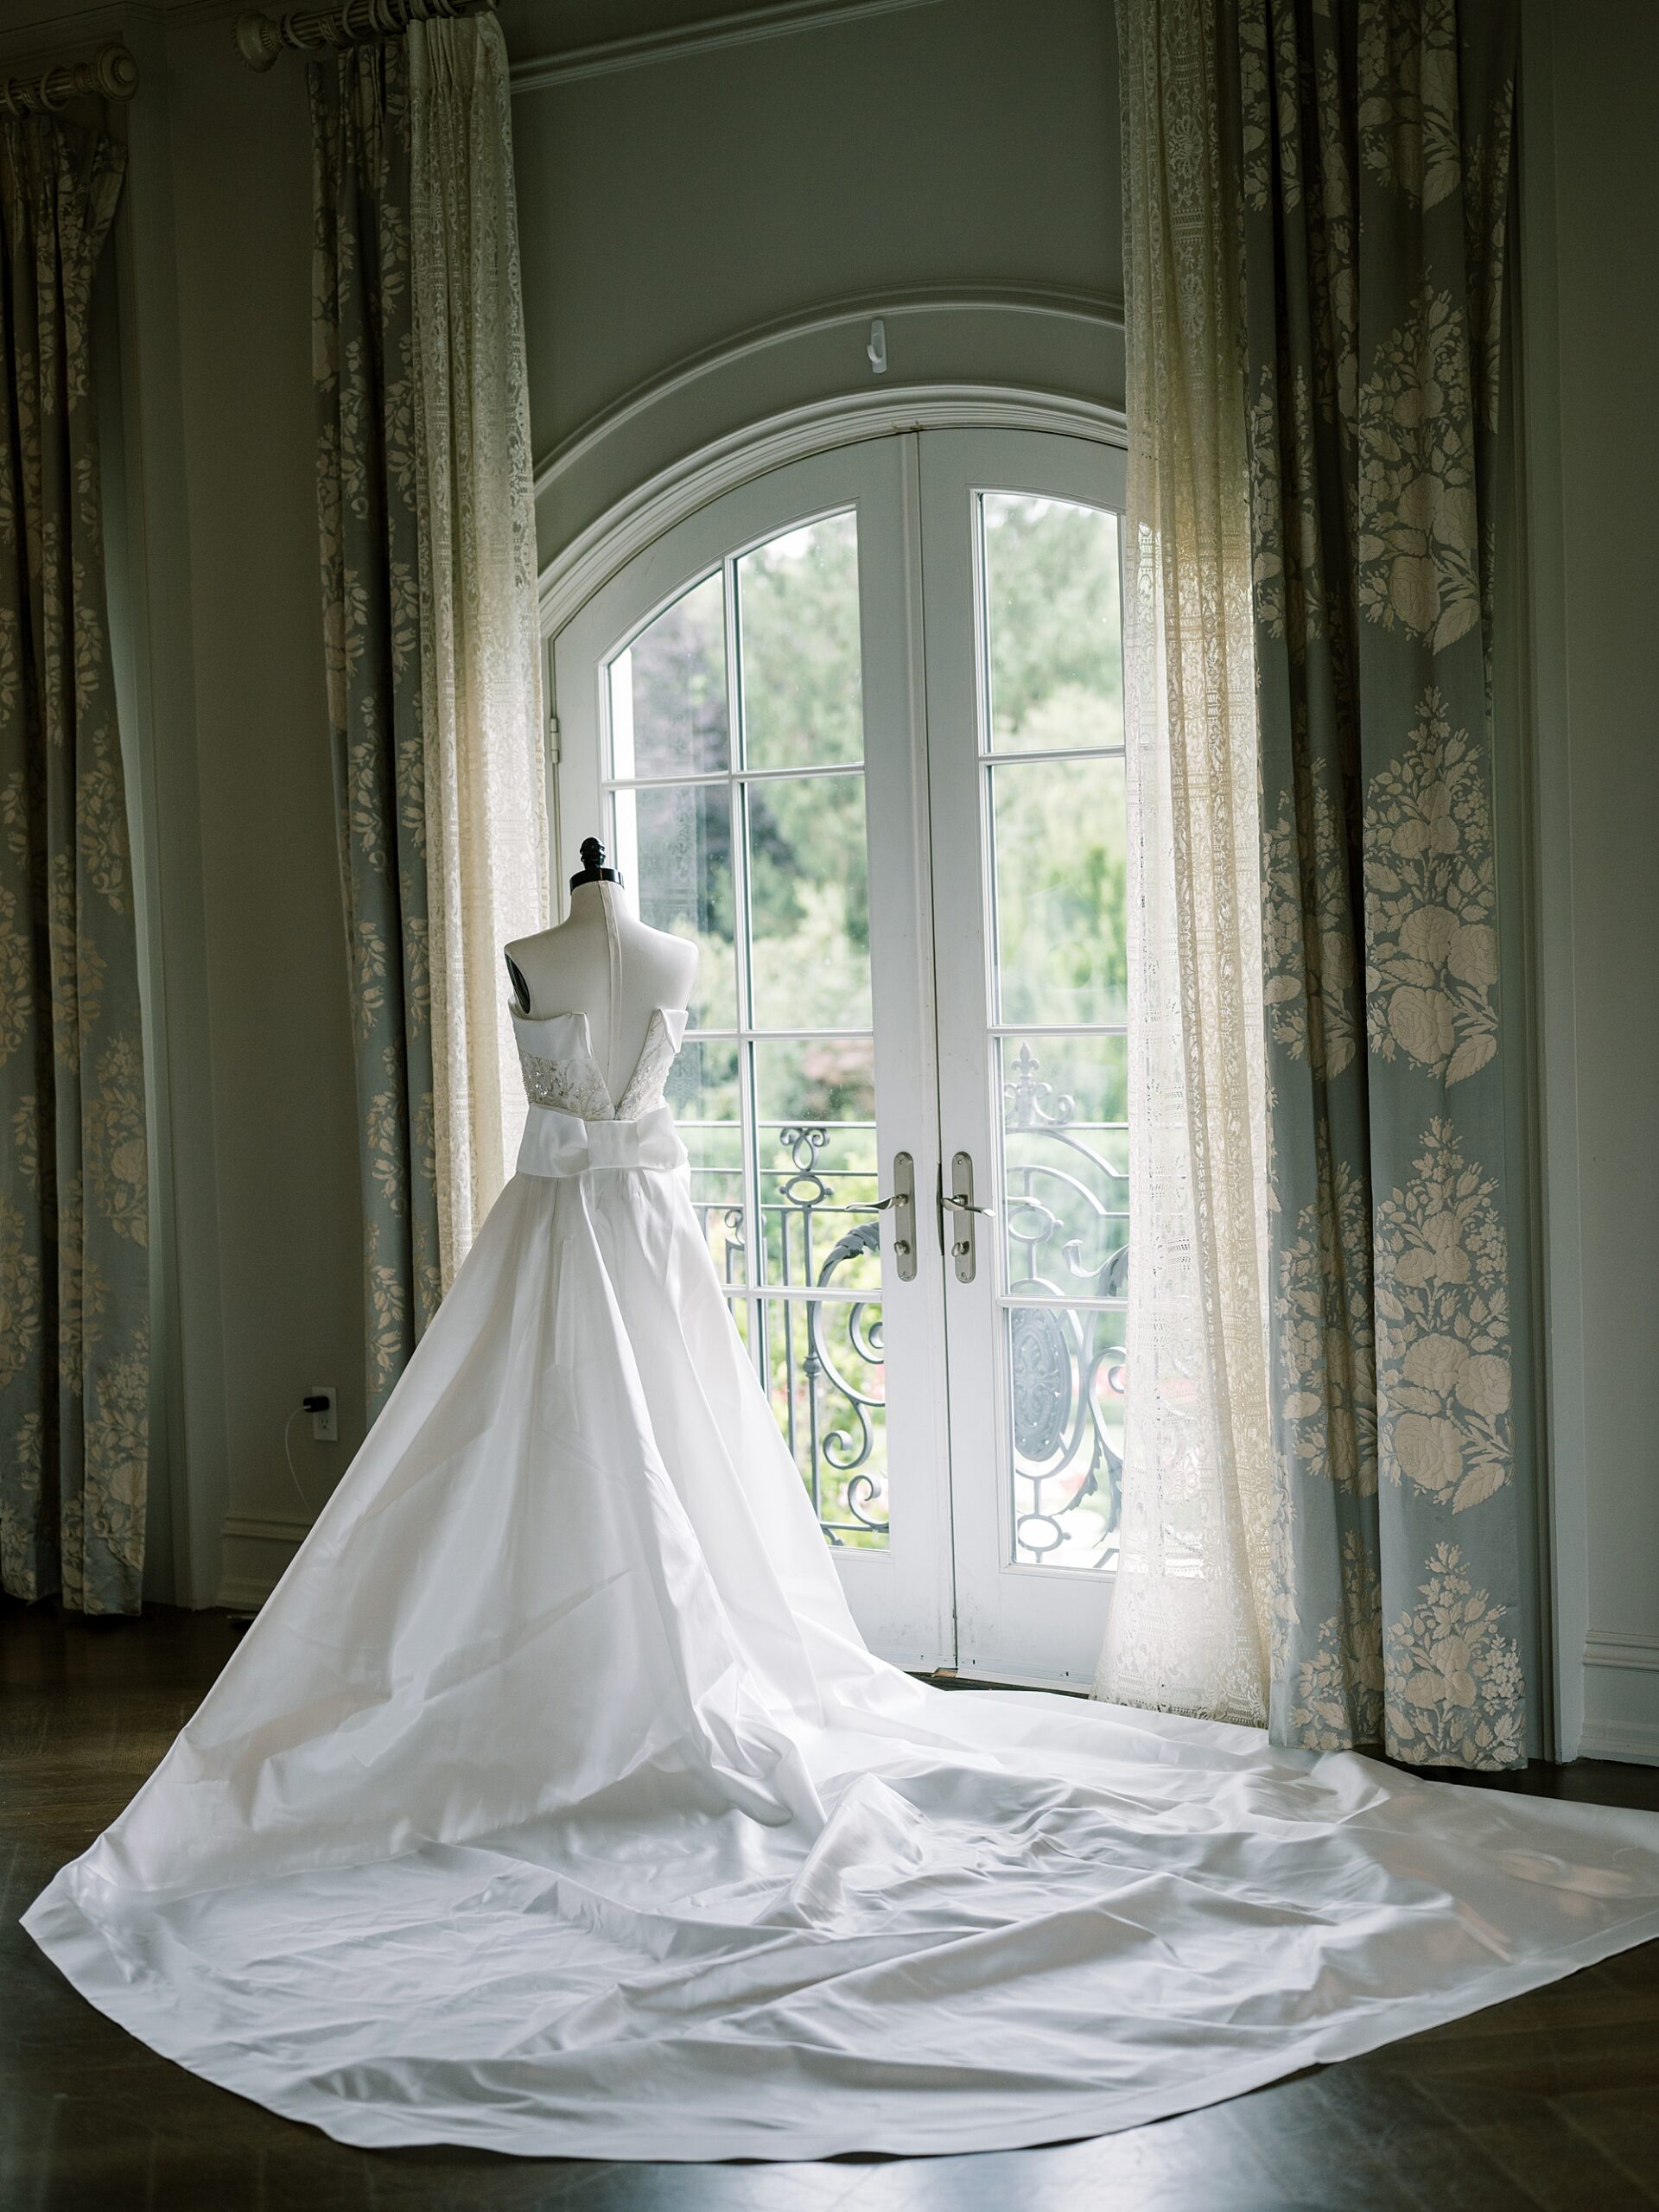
845 1447
830 1387
1066 1204
1064 1367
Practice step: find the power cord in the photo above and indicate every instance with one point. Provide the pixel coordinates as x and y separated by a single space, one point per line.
288 1432
310 1404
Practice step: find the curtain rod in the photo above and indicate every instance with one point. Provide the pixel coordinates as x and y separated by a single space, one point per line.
112 71
260 38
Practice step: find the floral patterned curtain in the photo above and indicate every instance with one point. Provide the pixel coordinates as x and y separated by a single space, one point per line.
363 361
74 1267
432 634
1373 158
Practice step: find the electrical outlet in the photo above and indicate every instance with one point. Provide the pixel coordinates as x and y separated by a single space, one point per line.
325 1425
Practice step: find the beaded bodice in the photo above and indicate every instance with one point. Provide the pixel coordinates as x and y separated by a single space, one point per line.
560 1071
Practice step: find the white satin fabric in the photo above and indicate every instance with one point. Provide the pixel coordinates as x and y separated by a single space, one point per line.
553 1803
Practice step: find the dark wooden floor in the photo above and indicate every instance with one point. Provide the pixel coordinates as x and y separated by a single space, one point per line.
1551 2102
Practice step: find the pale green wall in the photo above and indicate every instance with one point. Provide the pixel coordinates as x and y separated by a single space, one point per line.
1591 284
289 1220
663 208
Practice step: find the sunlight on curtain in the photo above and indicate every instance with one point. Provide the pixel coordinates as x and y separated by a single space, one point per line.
1188 1622
487 856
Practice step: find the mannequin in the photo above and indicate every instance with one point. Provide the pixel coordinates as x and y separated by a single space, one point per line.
604 962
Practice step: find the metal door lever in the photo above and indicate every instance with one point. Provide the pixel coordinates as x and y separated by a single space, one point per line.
902 1202
960 1199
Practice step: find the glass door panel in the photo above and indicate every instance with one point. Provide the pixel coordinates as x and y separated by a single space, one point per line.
857 730
1024 652
724 732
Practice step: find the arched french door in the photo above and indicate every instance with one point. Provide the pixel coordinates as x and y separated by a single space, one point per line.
857 727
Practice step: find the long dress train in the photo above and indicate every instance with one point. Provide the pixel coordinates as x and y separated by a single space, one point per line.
553 1803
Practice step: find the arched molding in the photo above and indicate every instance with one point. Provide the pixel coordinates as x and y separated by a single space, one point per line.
1089 309
989 353
666 497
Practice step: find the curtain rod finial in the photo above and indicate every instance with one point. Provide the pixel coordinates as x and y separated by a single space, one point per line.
258 39
116 72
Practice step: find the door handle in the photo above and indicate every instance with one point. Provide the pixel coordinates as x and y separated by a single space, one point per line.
901 1202
960 1198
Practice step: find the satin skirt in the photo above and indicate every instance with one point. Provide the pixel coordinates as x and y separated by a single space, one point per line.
554 1805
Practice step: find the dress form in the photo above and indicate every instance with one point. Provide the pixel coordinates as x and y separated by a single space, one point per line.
604 962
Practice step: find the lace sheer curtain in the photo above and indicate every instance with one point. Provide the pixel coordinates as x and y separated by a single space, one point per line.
1189 1628
487 856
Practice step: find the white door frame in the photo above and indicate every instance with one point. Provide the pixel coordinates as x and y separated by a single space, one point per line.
901 1596
573 590
1015 1623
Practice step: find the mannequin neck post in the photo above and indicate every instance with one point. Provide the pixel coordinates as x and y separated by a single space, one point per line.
589 900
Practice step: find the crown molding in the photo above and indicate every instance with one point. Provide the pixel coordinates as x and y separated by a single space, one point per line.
745 27
49 31
54 31
50 37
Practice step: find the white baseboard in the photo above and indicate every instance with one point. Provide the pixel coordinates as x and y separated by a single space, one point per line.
244 1593
1621 1697
275 1527
257 1551
1635 1742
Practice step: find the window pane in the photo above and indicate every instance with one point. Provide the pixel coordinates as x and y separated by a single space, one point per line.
797 605
702 1090
824 1369
809 892
814 1136
1054 619
1066 1378
1066 1156
668 692
1058 862
674 847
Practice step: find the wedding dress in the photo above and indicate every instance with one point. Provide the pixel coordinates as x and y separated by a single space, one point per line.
553 1804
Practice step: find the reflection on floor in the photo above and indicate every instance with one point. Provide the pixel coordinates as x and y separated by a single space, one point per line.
1550 2101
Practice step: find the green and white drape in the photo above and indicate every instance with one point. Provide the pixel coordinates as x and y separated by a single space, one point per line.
74 1265
363 347
1316 197
1374 173
431 635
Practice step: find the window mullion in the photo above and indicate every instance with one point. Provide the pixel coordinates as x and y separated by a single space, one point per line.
754 1235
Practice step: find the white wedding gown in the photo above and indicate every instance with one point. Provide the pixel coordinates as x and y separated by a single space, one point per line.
553 1804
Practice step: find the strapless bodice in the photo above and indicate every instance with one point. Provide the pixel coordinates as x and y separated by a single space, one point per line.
574 1124
561 1071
